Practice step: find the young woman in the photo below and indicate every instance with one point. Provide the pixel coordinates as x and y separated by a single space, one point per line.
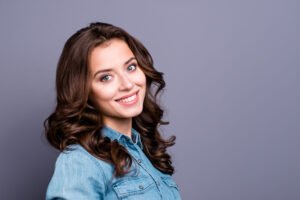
106 121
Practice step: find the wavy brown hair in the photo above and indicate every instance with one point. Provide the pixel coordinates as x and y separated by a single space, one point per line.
77 121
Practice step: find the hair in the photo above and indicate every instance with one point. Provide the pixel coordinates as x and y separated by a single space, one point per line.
76 120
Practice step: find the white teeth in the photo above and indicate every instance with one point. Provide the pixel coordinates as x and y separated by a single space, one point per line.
126 100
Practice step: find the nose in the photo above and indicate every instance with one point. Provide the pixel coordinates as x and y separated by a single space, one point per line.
125 83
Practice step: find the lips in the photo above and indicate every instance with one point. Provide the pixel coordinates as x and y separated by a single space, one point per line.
128 97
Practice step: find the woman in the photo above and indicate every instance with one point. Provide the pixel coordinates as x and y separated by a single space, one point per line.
106 120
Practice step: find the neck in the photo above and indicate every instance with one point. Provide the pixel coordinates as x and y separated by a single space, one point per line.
121 125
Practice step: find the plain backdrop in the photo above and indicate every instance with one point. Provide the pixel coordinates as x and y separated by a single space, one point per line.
232 98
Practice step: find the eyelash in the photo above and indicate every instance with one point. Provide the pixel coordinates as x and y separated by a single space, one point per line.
133 64
103 77
106 75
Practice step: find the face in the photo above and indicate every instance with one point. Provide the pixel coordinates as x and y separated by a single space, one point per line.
118 85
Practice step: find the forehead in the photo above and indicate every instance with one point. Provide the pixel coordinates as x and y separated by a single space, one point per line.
110 54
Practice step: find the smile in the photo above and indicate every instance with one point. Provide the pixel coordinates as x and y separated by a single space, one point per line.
129 100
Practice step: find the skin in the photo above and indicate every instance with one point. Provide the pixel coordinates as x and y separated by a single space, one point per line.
122 76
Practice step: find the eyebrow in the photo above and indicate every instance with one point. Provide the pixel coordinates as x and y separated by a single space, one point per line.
110 69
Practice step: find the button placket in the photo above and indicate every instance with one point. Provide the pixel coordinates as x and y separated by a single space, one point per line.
137 153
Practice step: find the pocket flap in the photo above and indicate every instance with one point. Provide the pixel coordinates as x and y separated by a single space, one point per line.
133 185
169 181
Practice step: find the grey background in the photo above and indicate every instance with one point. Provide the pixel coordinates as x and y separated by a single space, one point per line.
232 97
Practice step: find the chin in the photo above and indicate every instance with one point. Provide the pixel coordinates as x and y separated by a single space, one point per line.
133 114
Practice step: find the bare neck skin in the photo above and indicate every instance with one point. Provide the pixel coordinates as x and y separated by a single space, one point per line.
121 125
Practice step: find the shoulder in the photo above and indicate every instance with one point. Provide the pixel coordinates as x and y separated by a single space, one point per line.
76 154
76 158
78 174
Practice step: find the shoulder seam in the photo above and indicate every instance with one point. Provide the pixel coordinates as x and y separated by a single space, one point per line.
93 159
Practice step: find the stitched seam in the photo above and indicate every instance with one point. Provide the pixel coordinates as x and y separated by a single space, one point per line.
93 159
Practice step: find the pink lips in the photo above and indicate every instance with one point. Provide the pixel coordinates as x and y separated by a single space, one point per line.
131 102
126 96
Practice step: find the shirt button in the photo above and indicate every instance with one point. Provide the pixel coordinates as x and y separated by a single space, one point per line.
158 183
139 161
141 187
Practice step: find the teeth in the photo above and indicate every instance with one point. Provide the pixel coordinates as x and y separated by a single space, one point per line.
126 100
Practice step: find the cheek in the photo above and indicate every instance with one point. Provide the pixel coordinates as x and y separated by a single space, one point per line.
140 79
102 95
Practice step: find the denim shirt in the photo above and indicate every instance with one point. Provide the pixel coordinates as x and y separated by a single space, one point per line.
80 176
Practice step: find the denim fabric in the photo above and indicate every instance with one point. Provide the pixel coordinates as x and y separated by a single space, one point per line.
80 176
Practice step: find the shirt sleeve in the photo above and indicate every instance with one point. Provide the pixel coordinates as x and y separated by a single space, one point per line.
77 175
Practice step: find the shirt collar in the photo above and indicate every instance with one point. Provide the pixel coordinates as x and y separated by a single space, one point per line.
121 138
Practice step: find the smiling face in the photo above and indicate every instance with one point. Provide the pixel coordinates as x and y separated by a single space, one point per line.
118 84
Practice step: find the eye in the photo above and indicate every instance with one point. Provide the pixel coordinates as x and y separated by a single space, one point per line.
132 67
105 78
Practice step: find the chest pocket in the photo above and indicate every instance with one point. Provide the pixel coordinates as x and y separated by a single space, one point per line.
136 188
172 186
169 182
